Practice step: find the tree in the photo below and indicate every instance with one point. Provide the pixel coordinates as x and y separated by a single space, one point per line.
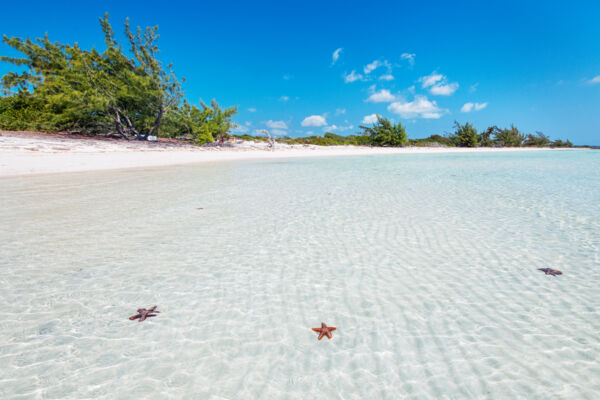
132 95
485 137
466 135
539 140
385 133
509 137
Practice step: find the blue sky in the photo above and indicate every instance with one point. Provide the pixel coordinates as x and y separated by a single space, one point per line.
534 64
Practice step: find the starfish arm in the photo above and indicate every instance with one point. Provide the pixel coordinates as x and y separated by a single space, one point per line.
321 335
316 329
152 308
151 315
329 335
332 328
134 317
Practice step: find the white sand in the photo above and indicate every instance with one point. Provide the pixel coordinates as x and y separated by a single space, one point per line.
26 153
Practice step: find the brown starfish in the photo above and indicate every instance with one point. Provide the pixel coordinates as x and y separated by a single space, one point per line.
324 330
144 313
550 271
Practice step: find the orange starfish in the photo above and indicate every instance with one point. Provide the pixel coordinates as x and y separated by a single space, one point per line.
324 330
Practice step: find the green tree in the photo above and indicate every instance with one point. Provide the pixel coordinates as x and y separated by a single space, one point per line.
538 140
485 138
385 133
466 134
509 137
64 87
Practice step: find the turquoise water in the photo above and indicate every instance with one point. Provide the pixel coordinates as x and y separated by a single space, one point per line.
426 264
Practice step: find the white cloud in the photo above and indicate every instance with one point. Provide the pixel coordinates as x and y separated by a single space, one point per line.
383 96
278 132
594 80
252 109
369 119
410 57
420 107
340 111
284 98
438 84
376 64
352 77
386 77
431 80
468 107
276 124
314 120
473 87
333 128
336 55
444 89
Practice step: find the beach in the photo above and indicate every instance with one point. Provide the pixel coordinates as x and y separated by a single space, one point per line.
427 265
26 153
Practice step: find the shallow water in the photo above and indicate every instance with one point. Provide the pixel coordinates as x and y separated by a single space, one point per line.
426 264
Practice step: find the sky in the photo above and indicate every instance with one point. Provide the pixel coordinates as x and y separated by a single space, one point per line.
302 68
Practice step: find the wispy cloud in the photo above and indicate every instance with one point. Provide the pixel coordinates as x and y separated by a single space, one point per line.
420 107
382 96
594 80
369 119
410 57
334 128
444 89
430 80
278 132
376 64
353 77
340 111
314 120
276 124
336 56
386 77
438 84
252 109
468 107
287 77
473 87
284 98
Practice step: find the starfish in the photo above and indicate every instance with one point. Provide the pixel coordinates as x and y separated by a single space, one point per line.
550 271
324 330
144 313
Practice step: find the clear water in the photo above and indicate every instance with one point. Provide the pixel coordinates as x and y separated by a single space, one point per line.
425 263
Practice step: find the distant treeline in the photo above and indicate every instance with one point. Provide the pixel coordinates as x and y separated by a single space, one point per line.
66 88
384 133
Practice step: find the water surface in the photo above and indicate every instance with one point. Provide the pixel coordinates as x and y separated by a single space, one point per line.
427 265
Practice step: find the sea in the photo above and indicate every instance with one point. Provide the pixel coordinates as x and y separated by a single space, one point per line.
427 265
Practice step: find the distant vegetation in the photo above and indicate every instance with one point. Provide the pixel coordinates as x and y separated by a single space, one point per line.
384 133
65 88
61 87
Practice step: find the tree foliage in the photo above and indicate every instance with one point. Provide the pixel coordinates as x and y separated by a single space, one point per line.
465 135
509 137
131 94
385 133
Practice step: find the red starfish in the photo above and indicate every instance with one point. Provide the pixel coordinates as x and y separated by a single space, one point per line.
144 313
324 330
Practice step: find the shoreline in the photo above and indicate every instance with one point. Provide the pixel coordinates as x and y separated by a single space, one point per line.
34 153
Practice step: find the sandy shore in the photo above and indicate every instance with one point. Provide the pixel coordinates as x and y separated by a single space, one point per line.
26 153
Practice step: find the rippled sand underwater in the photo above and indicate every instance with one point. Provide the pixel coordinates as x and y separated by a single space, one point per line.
426 264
